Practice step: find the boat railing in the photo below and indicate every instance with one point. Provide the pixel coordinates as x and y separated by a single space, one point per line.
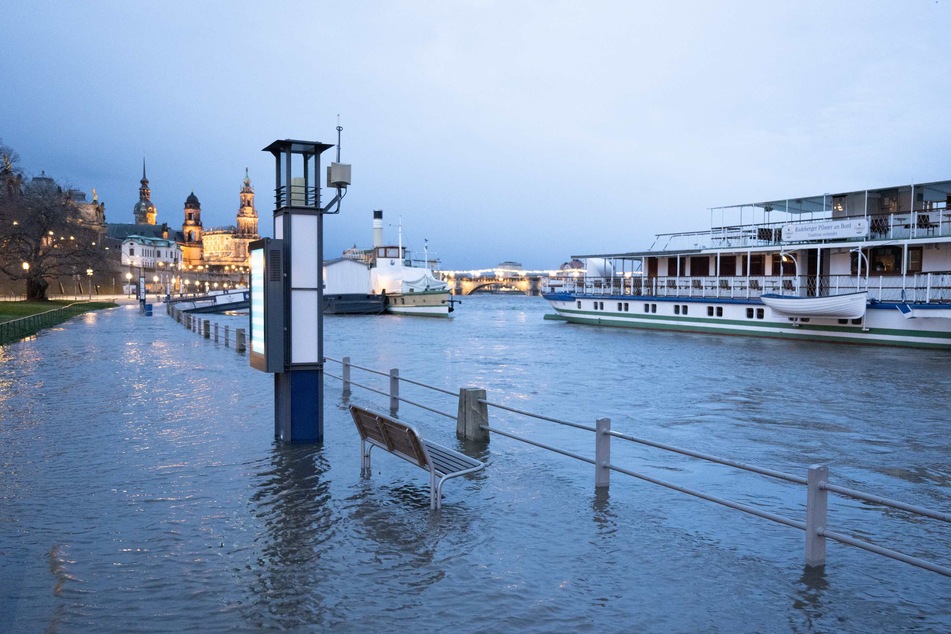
914 287
919 223
813 515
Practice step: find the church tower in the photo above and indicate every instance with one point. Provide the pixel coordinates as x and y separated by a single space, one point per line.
192 232
247 216
144 211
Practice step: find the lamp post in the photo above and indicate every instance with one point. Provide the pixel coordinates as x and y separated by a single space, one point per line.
298 225
128 282
858 272
26 276
784 257
89 276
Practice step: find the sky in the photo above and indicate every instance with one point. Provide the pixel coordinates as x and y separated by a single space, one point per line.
513 130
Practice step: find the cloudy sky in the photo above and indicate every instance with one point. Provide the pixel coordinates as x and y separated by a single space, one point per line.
498 130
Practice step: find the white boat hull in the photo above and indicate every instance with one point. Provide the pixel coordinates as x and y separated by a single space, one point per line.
426 303
882 324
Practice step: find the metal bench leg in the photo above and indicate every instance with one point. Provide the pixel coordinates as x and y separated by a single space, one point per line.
434 492
365 458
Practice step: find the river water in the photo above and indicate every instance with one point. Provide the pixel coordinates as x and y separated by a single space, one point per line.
141 488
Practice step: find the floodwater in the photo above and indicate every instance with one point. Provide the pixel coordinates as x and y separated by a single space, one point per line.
141 489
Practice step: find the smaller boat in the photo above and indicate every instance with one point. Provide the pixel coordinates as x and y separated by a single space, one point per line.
846 306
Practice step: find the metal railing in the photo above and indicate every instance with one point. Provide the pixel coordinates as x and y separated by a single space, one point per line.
16 329
915 287
210 330
816 482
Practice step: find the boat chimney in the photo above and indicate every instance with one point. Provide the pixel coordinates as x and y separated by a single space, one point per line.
377 228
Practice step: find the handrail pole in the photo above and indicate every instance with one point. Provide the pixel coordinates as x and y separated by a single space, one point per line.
602 454
817 507
394 391
346 377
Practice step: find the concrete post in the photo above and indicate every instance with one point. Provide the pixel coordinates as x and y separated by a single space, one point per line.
239 345
602 453
227 336
473 414
394 391
216 332
817 505
206 329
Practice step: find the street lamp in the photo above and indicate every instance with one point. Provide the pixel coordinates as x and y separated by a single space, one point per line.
787 257
26 276
89 275
128 282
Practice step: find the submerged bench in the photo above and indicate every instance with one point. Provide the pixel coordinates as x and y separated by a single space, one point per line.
400 439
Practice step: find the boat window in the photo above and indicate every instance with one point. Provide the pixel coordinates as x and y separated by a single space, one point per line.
709 311
749 313
683 309
914 260
647 308
760 312
676 309
843 321
882 260
626 307
857 321
653 308
719 311
727 265
699 266
579 303
758 264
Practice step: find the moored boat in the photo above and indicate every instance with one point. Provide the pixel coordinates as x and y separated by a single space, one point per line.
869 266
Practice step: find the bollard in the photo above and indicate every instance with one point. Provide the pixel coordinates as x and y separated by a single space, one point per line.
602 454
817 506
226 336
346 377
239 340
216 332
394 391
206 329
473 415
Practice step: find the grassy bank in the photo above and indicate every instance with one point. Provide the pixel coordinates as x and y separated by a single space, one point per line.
19 320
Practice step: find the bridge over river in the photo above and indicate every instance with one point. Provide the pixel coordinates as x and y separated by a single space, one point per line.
496 280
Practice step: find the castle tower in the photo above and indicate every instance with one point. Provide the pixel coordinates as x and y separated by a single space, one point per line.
144 211
192 232
247 216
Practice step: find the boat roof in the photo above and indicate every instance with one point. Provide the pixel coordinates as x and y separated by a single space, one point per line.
935 191
932 192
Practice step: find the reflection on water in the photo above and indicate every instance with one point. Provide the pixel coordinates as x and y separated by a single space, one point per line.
141 489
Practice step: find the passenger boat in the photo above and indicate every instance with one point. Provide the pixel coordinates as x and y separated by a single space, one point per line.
870 267
403 286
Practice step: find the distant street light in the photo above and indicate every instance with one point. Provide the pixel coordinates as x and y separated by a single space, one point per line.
26 276
128 281
89 275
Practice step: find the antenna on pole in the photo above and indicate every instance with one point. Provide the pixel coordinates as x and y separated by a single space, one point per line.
339 130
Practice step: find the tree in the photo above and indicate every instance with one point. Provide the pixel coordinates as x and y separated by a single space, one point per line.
42 233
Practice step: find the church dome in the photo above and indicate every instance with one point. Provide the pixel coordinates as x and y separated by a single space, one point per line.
192 199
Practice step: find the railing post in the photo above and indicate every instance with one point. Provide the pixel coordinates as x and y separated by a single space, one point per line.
602 453
473 414
346 377
206 329
216 332
227 335
817 506
239 344
394 391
